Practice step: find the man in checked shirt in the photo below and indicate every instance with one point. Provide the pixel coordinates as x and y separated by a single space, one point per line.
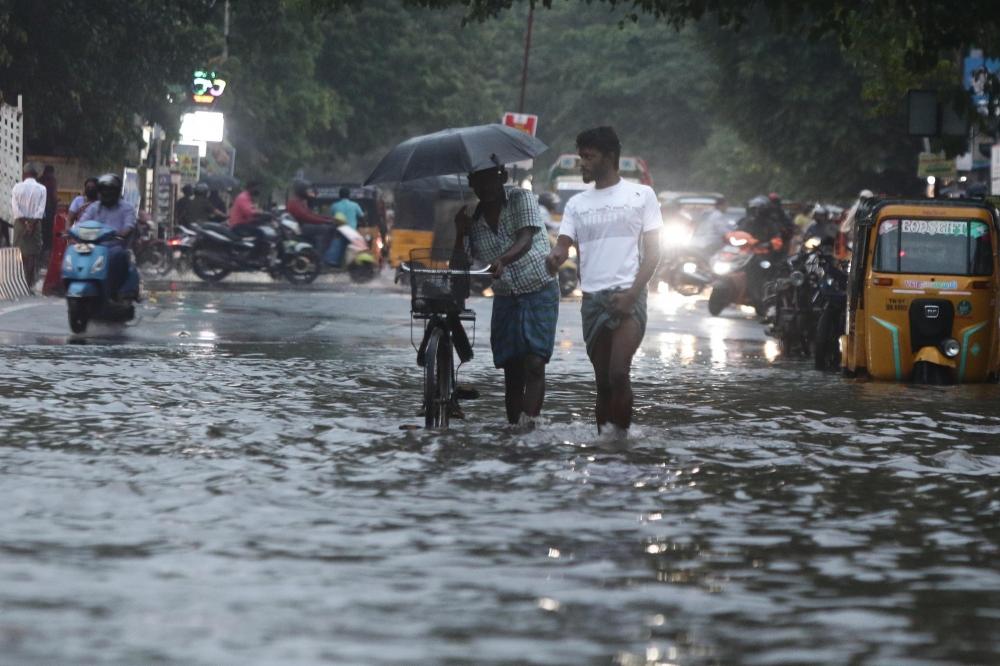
506 231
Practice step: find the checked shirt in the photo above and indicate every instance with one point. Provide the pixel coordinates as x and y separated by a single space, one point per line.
528 273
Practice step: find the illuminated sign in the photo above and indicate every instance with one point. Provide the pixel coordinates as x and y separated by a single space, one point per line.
202 126
526 122
206 87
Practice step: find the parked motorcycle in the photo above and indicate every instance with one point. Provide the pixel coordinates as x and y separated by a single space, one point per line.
152 255
832 323
790 300
742 254
217 251
85 276
180 249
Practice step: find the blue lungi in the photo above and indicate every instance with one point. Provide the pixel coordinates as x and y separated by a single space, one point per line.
524 324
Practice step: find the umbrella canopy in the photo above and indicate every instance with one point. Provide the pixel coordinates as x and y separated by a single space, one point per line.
458 150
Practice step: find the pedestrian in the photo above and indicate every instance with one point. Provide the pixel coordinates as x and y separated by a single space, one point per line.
48 179
506 231
353 213
28 207
81 201
616 226
182 207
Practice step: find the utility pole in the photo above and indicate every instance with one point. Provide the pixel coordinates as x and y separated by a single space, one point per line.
527 51
225 33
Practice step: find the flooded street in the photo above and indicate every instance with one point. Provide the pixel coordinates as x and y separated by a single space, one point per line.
227 482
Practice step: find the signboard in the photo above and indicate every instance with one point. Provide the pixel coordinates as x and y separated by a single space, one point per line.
163 194
995 170
130 187
976 72
526 122
206 87
202 126
187 163
935 164
219 160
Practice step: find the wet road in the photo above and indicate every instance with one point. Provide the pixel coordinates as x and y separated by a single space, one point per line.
226 482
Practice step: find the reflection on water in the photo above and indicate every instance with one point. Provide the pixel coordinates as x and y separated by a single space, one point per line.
220 502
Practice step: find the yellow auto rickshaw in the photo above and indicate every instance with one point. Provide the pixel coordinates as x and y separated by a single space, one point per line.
922 293
425 213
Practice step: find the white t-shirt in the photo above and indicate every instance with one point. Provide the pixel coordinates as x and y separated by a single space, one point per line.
608 224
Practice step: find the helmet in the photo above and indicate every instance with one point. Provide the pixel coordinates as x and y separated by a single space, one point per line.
866 194
819 210
301 187
549 200
757 203
201 189
774 198
109 189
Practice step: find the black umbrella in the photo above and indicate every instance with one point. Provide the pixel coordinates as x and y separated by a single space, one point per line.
219 181
459 150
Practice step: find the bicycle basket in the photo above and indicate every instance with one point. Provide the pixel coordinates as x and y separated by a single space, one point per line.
439 281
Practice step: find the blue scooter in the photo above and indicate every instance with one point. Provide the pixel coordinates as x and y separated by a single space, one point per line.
85 275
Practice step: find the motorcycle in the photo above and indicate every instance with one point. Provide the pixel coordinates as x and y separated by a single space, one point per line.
832 305
742 253
85 276
790 300
152 255
217 251
180 249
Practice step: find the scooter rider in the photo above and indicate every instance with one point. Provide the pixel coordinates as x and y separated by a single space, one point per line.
822 226
115 212
317 229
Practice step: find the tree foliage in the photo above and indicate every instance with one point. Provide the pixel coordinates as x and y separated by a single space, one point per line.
83 67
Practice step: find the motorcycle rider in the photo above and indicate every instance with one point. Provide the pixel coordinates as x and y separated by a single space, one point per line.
317 229
548 202
245 218
761 223
710 232
200 209
822 226
115 212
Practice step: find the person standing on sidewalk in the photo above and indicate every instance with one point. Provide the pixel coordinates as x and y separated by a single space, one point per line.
28 207
617 228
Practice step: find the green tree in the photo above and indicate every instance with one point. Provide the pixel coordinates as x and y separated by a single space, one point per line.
87 69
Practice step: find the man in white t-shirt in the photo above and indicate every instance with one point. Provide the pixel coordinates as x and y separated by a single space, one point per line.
616 227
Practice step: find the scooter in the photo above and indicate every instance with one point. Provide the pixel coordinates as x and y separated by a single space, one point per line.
85 275
362 266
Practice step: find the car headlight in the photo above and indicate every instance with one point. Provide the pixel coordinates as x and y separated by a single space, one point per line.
721 267
797 278
675 234
950 347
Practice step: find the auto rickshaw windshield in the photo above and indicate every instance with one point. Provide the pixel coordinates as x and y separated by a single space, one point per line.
934 247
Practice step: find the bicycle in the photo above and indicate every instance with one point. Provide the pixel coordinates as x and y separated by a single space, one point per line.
438 290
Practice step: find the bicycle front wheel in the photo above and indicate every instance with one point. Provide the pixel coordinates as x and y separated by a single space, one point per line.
437 379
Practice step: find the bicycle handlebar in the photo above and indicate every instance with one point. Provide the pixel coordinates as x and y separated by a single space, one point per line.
406 268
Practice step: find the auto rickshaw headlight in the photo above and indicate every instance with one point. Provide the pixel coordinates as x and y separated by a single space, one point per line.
797 278
950 347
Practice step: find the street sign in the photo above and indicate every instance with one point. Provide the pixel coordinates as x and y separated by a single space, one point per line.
935 164
526 122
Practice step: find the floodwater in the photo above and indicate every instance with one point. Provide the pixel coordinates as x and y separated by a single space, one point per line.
243 499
